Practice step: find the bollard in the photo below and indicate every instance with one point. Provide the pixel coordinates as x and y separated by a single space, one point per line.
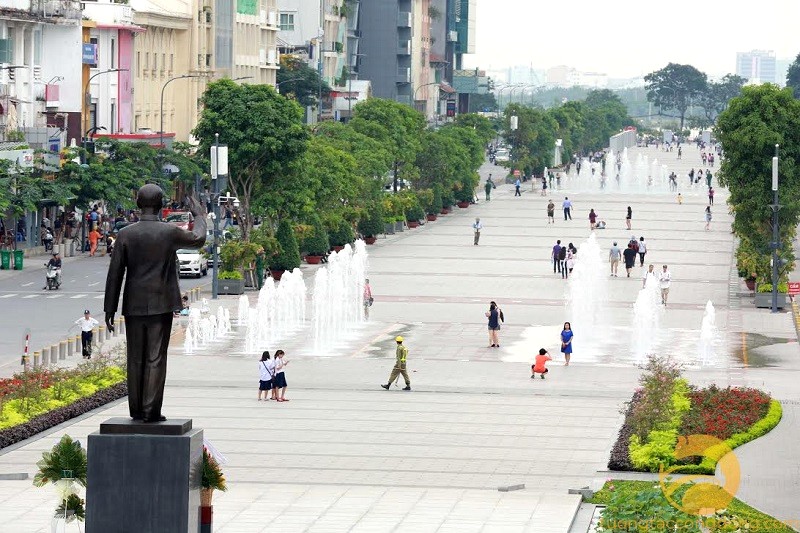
37 359
109 334
78 347
62 350
45 356
100 336
70 346
121 325
95 342
54 354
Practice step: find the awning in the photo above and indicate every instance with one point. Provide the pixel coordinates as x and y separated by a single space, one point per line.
130 27
445 88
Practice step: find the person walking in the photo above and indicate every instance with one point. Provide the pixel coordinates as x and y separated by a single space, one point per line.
628 217
592 219
570 263
517 185
630 258
708 217
566 342
649 274
476 228
567 206
488 186
642 250
540 366
709 177
551 211
279 381
87 324
614 255
554 256
544 186
368 300
562 262
266 368
711 196
680 199
664 280
401 354
94 238
261 263
495 316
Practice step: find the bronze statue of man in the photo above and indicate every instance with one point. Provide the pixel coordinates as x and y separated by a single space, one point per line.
144 255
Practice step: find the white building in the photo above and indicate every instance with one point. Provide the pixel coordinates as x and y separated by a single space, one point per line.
40 78
757 66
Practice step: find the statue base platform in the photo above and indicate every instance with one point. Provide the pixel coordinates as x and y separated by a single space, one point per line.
144 477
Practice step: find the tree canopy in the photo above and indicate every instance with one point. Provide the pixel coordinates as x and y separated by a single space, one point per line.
675 87
793 76
298 81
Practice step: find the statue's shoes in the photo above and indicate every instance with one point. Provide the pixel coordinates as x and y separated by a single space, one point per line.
154 419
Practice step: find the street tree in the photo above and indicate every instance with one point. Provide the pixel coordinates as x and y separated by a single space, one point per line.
749 129
373 158
715 98
532 143
675 87
480 124
397 126
440 160
264 133
297 80
793 76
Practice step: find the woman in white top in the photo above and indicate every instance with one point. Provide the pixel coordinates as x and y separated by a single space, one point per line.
279 383
642 250
266 371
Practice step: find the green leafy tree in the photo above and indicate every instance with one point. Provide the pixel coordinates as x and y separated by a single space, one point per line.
440 160
373 159
372 224
485 103
717 95
265 136
749 129
317 242
299 81
481 125
793 76
289 256
532 143
396 125
675 87
341 233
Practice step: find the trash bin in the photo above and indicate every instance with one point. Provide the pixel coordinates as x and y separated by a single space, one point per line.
5 259
18 255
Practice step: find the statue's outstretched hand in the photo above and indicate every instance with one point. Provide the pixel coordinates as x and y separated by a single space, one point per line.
110 321
196 207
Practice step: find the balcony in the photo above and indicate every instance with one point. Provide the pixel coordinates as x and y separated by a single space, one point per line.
68 11
404 19
404 48
403 75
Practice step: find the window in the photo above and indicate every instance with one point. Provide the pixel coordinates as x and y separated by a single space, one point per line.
94 41
113 117
171 57
208 60
37 48
138 63
113 54
146 61
287 22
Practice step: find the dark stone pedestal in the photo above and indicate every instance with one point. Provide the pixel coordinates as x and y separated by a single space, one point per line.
144 477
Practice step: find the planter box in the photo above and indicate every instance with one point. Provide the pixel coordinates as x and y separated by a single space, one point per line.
276 274
337 248
370 240
313 259
388 229
431 217
463 205
751 284
231 286
413 223
398 226
445 211
764 300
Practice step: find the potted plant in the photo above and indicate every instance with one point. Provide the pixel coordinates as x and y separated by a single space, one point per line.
65 467
435 206
372 225
289 256
342 233
399 223
448 200
235 256
230 282
388 225
317 244
211 479
764 295
413 215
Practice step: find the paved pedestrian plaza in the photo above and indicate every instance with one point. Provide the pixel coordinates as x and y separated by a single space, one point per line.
345 455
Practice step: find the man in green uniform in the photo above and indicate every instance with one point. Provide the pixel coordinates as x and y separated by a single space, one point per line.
488 186
260 263
399 365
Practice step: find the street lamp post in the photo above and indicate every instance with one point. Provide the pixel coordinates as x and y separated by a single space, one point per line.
414 94
161 108
775 237
87 97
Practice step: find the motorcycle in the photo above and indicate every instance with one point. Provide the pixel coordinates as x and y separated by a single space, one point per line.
53 277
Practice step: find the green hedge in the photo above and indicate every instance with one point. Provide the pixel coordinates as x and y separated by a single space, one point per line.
659 447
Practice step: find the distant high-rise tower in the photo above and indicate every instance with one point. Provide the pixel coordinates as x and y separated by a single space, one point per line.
756 66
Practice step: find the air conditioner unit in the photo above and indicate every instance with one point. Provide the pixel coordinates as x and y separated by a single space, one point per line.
452 36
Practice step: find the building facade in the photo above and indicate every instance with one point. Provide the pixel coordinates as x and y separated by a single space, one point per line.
757 66
40 79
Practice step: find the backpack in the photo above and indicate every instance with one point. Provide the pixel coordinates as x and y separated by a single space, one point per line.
562 254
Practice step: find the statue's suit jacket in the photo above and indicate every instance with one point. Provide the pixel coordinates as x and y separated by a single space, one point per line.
144 256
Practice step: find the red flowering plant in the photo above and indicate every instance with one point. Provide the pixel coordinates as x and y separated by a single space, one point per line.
724 412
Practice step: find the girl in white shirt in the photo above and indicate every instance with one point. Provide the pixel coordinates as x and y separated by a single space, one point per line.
279 382
266 371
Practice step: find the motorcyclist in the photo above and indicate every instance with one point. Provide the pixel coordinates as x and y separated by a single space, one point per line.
47 239
55 264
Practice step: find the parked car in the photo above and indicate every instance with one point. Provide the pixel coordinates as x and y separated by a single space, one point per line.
182 219
501 155
192 263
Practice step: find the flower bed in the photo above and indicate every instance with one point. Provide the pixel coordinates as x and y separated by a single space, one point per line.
666 407
37 400
630 504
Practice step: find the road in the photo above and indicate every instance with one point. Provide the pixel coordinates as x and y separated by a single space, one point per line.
49 314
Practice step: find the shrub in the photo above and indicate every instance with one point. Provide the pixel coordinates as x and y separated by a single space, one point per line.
230 274
414 213
783 287
235 254
724 412
654 408
436 205
372 225
317 242
342 233
289 256
211 475
448 198
659 448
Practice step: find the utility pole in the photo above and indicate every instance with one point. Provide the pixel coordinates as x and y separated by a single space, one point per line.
775 233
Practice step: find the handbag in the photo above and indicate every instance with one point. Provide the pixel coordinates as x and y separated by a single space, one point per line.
371 301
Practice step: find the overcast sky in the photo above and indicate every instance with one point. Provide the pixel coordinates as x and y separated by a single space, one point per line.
627 38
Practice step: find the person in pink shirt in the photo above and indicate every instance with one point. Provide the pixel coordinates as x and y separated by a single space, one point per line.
367 299
539 367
